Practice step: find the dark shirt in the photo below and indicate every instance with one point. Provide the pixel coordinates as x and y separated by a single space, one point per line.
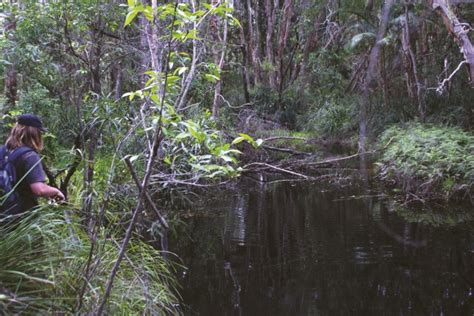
28 170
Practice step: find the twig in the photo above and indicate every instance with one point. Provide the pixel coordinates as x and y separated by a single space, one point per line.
286 150
277 168
269 139
74 165
328 161
147 196
440 88
193 184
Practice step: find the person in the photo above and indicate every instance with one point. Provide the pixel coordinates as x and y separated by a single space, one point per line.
30 175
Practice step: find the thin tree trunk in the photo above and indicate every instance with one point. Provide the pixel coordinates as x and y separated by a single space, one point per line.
219 58
257 51
245 74
385 82
145 57
285 24
246 50
271 17
250 43
420 93
118 82
11 78
96 88
189 77
154 42
371 75
407 65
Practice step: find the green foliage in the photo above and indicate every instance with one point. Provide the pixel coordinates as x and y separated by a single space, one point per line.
42 259
244 137
427 158
197 146
334 118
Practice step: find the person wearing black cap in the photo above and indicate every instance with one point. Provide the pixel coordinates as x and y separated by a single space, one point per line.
26 136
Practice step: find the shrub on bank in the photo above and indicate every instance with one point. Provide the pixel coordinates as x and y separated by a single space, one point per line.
428 161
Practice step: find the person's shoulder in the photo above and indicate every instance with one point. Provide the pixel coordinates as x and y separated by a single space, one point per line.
29 154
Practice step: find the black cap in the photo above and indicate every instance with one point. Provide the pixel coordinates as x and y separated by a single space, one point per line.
31 120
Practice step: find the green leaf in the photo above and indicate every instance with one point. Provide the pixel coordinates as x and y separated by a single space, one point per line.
130 16
237 140
211 78
148 13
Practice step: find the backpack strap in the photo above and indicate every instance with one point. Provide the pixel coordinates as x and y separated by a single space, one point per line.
18 152
3 153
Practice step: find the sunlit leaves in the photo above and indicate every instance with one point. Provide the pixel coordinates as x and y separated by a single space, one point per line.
249 139
135 8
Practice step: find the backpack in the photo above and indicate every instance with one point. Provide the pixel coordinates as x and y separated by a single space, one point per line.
9 199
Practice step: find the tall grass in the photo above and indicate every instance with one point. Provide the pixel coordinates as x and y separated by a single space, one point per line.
42 264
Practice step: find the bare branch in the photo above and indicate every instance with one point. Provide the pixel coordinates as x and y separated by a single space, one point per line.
440 89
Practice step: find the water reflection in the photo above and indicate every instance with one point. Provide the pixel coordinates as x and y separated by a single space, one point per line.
300 249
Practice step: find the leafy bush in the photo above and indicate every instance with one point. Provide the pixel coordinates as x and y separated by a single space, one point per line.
196 146
426 159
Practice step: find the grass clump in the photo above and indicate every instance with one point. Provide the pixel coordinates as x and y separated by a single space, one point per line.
43 260
428 161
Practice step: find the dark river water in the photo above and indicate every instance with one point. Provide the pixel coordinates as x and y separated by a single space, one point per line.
306 249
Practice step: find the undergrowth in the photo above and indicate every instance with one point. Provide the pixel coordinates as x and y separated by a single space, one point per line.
42 262
428 161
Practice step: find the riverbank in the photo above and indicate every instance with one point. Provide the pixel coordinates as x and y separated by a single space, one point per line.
421 162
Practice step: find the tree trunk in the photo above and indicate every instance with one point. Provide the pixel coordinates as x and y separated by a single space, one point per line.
419 88
246 49
245 74
145 49
385 81
219 56
118 82
11 78
190 75
371 75
250 43
257 51
271 17
285 24
96 88
154 42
